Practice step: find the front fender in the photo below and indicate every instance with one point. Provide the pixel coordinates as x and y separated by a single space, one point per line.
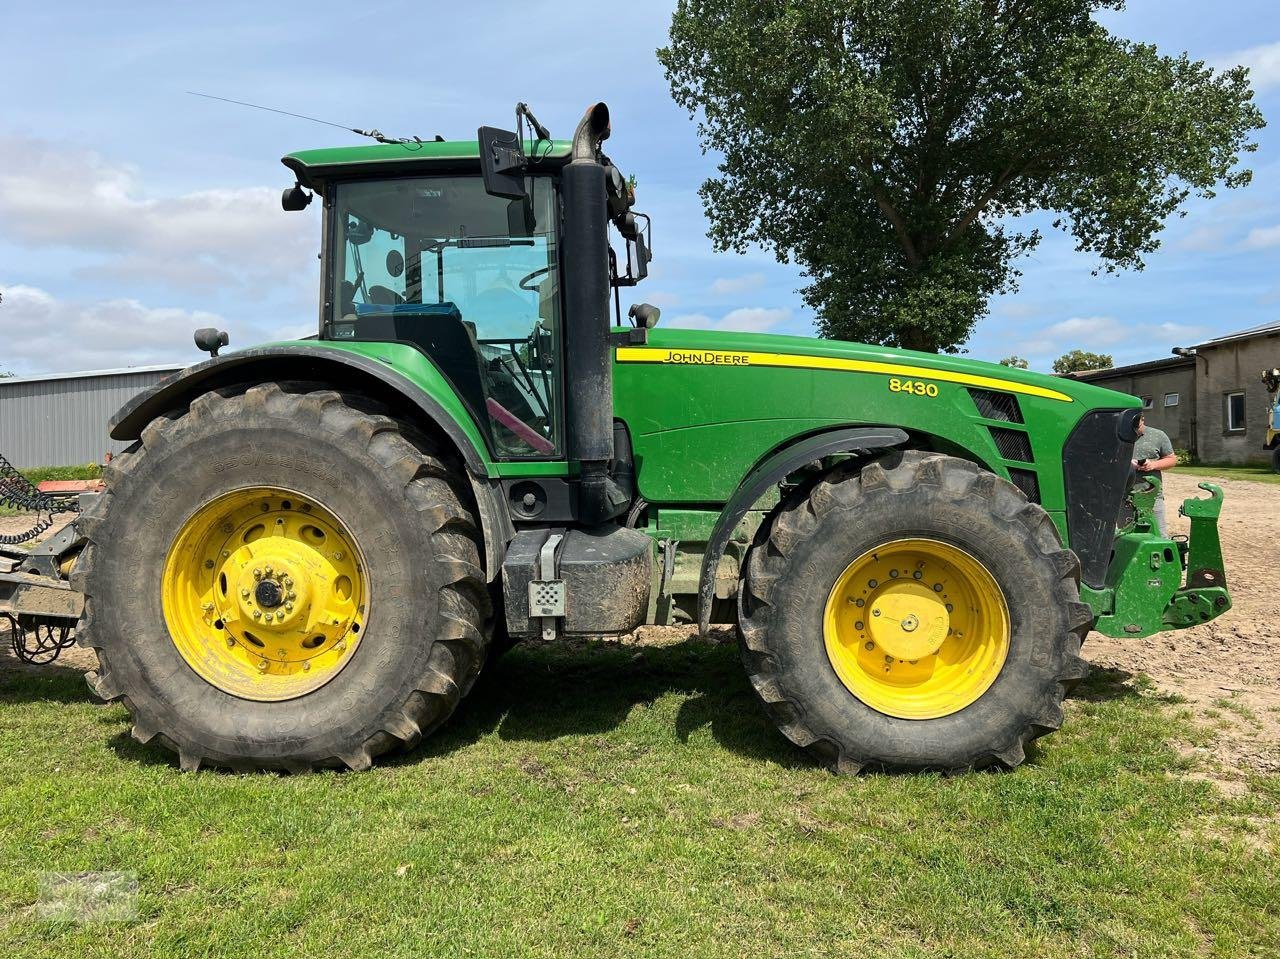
768 473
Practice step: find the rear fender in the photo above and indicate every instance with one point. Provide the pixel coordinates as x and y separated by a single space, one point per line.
344 369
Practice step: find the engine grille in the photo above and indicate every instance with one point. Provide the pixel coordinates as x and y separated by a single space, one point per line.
1028 482
994 405
1012 444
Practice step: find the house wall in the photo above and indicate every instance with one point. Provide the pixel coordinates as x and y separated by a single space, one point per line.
1232 366
1177 421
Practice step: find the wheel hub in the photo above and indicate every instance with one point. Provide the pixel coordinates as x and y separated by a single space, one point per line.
917 628
264 594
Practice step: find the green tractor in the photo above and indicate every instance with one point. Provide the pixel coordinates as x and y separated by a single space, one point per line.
311 548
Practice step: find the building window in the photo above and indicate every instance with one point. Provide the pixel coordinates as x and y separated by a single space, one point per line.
1146 402
1171 399
1235 412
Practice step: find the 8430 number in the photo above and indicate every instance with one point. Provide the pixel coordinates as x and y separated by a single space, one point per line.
914 387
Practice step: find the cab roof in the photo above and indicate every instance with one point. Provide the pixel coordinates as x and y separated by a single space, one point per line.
315 168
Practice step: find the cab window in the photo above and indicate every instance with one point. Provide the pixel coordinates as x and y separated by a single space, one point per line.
469 279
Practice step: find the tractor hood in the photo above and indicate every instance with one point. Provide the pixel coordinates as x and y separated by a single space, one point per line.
717 348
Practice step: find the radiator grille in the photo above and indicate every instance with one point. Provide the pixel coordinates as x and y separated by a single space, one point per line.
997 406
1012 444
1028 482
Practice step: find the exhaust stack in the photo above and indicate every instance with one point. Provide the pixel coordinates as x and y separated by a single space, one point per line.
588 360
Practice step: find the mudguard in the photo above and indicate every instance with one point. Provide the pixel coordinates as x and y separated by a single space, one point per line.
768 473
343 369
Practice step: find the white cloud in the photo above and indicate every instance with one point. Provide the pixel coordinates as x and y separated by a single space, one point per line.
755 319
1090 331
1263 63
1263 237
40 333
53 196
732 286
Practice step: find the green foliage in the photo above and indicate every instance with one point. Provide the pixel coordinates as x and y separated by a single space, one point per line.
5 374
1017 362
41 473
884 145
1078 361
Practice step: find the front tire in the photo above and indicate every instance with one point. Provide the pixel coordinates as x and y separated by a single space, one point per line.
933 547
351 533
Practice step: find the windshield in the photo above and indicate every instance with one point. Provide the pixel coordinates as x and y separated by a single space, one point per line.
468 278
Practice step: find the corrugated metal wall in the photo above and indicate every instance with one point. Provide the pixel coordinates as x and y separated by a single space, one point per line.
62 421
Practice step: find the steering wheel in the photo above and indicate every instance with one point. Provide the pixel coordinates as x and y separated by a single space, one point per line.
525 279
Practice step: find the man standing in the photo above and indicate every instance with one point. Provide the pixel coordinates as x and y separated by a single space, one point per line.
1153 453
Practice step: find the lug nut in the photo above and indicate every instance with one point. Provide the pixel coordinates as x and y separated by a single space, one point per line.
262 665
208 564
268 571
870 645
257 614
265 507
279 614
230 643
339 555
288 607
875 612
244 592
858 624
306 667
340 645
257 574
292 595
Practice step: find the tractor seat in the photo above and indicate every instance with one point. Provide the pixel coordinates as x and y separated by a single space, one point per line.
438 331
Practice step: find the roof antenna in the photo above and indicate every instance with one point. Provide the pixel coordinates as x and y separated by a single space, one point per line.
372 134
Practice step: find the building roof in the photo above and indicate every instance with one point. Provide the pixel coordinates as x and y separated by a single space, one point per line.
1150 366
91 374
1271 327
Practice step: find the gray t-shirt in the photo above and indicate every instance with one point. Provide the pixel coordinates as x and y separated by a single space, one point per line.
1153 444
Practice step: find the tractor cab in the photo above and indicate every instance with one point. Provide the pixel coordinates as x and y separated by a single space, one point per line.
459 249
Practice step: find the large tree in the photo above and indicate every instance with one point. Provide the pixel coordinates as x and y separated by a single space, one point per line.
886 145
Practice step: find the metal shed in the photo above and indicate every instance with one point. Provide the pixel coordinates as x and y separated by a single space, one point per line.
61 419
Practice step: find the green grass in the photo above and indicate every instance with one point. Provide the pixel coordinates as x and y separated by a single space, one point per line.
42 473
1253 472
607 803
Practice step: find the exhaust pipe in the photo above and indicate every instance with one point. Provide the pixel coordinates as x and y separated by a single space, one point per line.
588 354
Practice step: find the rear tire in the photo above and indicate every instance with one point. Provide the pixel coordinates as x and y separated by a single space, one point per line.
394 491
805 548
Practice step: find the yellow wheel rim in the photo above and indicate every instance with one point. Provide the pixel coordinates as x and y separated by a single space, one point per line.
264 594
917 628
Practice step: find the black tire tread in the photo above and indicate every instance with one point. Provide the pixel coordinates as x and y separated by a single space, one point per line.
432 488
844 488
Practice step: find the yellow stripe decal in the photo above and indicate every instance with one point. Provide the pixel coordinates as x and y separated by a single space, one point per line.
650 354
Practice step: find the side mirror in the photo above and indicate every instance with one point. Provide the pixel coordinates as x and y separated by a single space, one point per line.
502 163
295 198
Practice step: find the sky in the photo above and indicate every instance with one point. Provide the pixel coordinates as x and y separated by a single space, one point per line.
132 213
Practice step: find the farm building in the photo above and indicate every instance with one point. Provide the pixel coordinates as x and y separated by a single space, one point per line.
61 419
1209 397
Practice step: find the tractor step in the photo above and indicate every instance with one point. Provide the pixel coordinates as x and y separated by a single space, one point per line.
577 582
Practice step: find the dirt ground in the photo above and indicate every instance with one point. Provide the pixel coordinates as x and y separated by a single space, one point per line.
1228 670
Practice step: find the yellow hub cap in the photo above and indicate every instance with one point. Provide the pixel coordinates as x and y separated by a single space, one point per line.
264 594
917 628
